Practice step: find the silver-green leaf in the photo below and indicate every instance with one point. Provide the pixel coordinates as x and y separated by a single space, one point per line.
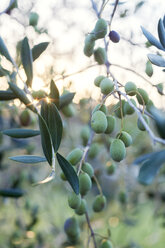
27 61
28 159
21 133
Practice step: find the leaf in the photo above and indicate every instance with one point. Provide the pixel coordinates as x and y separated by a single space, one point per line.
151 167
22 96
53 120
159 117
161 32
149 69
6 95
47 179
119 3
3 72
4 52
54 93
15 193
28 159
152 39
156 60
27 61
37 50
138 6
21 133
66 99
69 173
46 140
164 21
143 158
159 88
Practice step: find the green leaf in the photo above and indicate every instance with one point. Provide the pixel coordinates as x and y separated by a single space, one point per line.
21 133
151 167
28 159
161 32
27 61
54 94
149 69
53 120
66 99
46 140
138 6
3 72
156 60
37 50
4 51
69 173
6 95
159 118
15 193
152 39
22 96
47 179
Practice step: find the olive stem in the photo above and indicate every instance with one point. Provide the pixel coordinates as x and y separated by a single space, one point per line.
91 230
113 12
98 185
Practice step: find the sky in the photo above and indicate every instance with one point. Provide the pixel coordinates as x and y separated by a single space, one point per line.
68 22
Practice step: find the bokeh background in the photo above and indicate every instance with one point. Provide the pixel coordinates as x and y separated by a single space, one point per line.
36 220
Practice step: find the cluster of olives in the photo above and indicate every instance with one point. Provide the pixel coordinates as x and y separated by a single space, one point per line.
101 122
78 202
99 32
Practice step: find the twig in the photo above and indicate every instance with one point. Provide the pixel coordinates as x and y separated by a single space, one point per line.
74 73
113 12
91 230
151 134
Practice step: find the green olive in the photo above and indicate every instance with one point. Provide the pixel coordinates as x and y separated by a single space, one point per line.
85 183
75 156
74 200
100 29
125 137
130 88
107 86
99 203
100 55
117 150
99 122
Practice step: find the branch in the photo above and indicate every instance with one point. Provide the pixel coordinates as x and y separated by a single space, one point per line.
91 230
135 72
74 73
113 12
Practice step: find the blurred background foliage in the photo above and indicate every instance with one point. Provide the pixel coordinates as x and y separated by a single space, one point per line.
135 213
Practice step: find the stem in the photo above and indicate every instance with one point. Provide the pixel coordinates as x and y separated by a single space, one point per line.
113 13
91 230
98 185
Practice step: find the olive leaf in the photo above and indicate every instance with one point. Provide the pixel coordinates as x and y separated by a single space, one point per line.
46 140
27 61
21 133
28 159
161 32
4 51
152 39
66 99
20 94
12 192
53 120
54 93
38 49
69 173
6 95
